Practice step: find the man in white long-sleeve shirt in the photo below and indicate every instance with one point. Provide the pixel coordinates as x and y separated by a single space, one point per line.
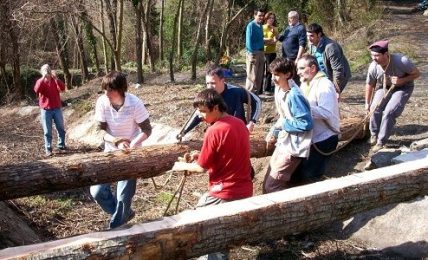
322 97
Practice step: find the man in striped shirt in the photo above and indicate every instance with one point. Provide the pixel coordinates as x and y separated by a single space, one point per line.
124 122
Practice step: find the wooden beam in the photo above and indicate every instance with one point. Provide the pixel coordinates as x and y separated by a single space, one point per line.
80 170
271 216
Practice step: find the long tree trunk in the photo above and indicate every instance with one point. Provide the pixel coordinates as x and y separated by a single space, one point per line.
138 41
219 227
117 51
82 170
147 25
161 20
198 39
58 32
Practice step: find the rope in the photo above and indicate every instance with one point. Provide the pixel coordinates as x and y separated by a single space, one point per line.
366 118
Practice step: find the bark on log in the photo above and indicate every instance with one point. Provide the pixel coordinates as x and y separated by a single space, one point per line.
80 170
210 229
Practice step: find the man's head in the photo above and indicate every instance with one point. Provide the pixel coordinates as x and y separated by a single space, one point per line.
45 70
379 52
282 70
214 78
314 32
307 67
293 18
210 105
259 15
115 85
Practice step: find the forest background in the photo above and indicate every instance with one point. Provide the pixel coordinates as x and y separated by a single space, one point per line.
84 39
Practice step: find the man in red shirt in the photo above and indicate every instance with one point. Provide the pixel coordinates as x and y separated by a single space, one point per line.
225 153
47 88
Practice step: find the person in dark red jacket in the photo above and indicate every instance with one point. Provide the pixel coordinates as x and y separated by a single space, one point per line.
48 89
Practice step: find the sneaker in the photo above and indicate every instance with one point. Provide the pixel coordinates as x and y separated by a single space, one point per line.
62 148
377 148
373 140
48 153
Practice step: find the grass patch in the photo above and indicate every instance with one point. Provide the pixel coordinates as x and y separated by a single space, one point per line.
164 197
55 206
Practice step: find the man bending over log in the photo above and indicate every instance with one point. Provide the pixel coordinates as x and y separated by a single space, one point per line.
124 120
225 154
321 94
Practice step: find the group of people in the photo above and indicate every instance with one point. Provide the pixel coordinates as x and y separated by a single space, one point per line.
262 36
306 89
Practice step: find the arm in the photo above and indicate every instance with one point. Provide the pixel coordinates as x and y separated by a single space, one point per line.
59 84
335 57
301 120
414 74
302 42
369 95
327 103
193 122
117 141
256 107
146 131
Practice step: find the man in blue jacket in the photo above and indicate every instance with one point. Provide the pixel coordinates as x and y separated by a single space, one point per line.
241 103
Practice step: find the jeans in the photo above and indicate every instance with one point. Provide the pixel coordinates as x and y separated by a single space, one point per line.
47 115
118 206
313 167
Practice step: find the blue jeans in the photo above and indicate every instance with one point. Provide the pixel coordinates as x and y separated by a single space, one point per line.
47 115
313 167
118 206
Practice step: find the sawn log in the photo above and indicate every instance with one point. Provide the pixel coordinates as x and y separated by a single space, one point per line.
271 216
80 170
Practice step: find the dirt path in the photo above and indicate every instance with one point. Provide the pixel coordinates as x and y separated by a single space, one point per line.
70 213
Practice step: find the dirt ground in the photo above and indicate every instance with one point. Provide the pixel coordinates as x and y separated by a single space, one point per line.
73 212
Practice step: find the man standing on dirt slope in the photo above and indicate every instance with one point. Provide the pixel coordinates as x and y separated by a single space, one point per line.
386 71
240 103
225 154
124 122
330 57
322 97
255 57
48 89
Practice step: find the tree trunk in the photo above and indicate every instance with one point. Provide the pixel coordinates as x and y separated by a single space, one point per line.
147 36
81 49
112 25
174 35
117 51
211 229
106 69
207 30
180 31
228 22
80 170
197 42
138 41
58 32
161 18
92 43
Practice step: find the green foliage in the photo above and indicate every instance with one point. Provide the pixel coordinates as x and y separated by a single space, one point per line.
164 197
59 206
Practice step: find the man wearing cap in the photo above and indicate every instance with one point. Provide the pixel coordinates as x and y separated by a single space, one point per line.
330 57
255 57
386 71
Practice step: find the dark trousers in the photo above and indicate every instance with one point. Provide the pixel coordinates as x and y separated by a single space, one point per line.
268 86
314 167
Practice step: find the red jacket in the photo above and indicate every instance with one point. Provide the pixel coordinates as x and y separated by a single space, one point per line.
48 92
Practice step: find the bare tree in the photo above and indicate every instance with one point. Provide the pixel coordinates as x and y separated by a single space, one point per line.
174 41
59 36
208 36
161 56
138 6
198 39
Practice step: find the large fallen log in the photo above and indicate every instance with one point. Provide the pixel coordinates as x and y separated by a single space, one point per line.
80 170
210 229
